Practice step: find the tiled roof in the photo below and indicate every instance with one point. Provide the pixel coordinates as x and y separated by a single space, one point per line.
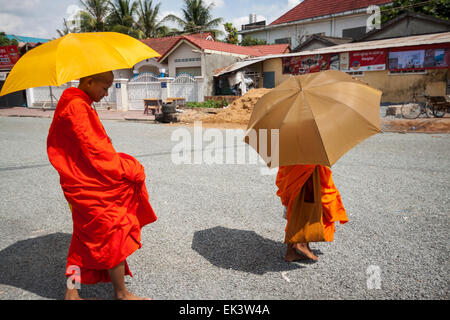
164 45
316 8
273 48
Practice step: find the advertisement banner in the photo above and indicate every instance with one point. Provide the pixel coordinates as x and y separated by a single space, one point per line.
9 55
412 59
421 58
371 60
306 64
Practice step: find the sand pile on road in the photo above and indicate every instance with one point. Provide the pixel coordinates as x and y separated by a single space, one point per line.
240 110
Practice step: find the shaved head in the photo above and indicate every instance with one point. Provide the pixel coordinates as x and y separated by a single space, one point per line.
97 85
106 77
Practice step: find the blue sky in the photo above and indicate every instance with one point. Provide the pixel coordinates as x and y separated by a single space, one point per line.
41 18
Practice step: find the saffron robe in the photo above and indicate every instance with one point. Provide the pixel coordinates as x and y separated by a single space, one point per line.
105 190
290 181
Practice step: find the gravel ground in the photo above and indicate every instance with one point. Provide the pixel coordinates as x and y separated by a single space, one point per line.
220 230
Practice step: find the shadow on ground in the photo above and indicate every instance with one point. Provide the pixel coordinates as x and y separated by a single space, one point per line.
242 250
38 265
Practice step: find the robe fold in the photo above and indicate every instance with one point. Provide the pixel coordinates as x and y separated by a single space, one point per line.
105 190
290 181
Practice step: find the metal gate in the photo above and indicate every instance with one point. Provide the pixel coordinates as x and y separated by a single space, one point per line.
184 86
143 86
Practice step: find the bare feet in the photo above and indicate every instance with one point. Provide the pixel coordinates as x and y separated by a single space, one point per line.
306 250
72 294
126 295
293 255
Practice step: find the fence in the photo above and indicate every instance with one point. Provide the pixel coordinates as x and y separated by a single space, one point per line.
127 94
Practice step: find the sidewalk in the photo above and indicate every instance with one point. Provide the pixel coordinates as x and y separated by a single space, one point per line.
388 124
103 114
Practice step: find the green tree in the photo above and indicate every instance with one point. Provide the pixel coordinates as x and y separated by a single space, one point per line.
66 29
232 34
148 22
436 8
249 41
122 17
5 41
94 15
197 17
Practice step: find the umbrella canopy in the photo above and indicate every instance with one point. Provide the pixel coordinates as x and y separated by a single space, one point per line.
319 117
74 56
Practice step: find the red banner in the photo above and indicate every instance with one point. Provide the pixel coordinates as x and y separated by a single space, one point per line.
370 60
306 64
9 55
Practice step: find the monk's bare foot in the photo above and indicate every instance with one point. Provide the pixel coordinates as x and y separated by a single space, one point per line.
306 250
126 295
293 255
72 294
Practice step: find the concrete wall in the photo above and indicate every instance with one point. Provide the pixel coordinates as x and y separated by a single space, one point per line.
332 27
396 88
212 62
408 27
400 88
183 51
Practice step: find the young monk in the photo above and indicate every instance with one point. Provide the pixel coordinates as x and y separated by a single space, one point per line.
105 190
290 181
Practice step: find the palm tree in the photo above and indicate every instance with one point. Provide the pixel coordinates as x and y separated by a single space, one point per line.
94 14
121 18
148 22
197 17
66 29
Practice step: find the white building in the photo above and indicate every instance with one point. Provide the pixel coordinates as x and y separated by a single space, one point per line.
331 18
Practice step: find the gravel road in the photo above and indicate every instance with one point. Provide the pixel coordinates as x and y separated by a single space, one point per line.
220 230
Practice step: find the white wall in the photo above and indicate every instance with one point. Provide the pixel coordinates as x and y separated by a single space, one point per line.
332 27
183 51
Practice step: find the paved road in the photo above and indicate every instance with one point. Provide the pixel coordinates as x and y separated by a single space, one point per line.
220 228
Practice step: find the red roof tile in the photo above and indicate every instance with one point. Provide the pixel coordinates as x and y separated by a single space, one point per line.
316 8
164 45
161 45
273 48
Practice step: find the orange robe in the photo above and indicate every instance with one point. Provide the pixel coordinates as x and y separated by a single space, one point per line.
105 189
290 180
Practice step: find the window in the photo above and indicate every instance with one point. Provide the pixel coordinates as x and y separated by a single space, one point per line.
283 40
188 60
356 73
403 72
354 33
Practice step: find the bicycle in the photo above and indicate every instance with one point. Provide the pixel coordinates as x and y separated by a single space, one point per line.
439 105
416 108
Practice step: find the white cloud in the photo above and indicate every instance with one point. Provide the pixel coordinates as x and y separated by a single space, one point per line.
10 23
217 3
8 6
293 3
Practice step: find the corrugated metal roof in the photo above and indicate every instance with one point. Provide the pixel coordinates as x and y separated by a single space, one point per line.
434 38
238 65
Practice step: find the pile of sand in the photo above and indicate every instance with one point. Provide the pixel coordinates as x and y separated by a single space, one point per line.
238 112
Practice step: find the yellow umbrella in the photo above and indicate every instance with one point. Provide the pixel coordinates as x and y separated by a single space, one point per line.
319 117
74 56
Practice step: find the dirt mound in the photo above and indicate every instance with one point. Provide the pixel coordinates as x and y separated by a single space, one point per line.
431 125
238 112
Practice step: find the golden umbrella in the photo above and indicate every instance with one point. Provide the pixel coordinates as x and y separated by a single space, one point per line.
74 56
317 118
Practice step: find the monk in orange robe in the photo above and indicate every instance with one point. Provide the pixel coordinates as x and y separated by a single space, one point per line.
105 190
290 181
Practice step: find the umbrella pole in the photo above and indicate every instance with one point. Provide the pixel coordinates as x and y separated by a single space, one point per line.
51 97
